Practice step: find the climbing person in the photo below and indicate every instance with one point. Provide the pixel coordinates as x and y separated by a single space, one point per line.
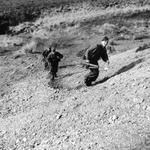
92 55
45 55
54 57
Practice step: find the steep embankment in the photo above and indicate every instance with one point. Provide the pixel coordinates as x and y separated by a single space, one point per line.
111 114
13 12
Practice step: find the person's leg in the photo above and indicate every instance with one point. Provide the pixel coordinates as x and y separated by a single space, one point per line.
87 82
91 76
52 71
46 65
56 69
87 79
53 76
95 73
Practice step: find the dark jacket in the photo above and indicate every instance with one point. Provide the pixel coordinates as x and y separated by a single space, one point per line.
46 53
96 53
54 57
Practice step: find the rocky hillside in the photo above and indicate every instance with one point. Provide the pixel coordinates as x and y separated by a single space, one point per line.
112 114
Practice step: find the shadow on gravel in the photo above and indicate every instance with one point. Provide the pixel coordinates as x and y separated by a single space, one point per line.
5 52
122 70
69 65
55 84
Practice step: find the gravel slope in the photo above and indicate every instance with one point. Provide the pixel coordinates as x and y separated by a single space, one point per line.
112 114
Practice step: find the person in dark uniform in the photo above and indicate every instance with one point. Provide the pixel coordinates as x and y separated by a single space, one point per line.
45 55
92 56
54 58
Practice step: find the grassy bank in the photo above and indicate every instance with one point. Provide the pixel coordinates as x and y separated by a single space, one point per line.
127 17
13 12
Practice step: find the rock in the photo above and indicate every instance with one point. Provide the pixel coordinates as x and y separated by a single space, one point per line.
24 139
148 108
144 107
113 119
137 106
138 100
37 142
134 84
145 87
83 90
74 98
57 91
2 94
24 27
116 92
18 44
112 83
59 116
17 141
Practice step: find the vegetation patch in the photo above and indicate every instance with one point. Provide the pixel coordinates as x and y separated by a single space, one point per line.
13 12
109 29
143 47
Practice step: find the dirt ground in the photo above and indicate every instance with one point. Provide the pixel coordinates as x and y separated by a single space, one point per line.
112 114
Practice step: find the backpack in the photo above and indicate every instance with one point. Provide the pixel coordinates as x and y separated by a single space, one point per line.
90 52
52 57
45 53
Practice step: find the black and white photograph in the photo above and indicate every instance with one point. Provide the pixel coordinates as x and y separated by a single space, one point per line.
74 74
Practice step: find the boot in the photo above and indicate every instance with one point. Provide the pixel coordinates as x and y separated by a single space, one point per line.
52 79
56 75
88 82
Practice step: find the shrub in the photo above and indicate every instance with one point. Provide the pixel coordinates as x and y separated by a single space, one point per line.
143 47
123 37
141 36
81 53
112 43
125 30
109 29
111 49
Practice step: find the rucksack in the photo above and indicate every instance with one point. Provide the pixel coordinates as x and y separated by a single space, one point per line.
52 57
45 53
90 54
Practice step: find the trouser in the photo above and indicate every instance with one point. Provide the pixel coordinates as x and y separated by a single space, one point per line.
54 69
91 76
46 64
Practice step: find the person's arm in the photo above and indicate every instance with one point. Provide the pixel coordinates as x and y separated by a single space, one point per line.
106 60
44 53
87 54
107 65
59 55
